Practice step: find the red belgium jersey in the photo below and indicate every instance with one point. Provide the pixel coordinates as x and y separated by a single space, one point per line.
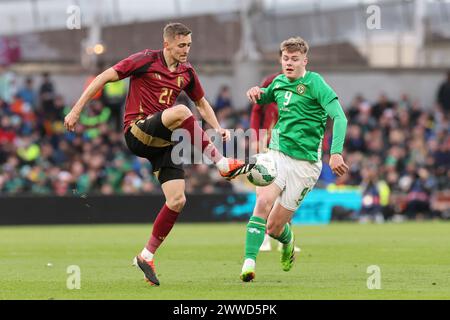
264 116
153 87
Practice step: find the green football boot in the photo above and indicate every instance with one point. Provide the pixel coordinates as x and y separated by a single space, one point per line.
248 275
288 254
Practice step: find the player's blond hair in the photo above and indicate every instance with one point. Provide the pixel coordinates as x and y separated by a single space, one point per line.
294 44
171 30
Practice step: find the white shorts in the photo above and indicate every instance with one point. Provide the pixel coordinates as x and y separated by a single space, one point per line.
295 178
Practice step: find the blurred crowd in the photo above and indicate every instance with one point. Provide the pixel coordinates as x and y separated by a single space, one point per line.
399 155
394 146
38 156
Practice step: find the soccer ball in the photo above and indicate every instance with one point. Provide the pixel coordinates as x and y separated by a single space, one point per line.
264 171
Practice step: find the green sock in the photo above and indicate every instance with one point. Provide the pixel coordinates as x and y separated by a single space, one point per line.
285 236
256 228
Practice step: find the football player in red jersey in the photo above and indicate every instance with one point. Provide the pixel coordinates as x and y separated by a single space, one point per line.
156 79
265 117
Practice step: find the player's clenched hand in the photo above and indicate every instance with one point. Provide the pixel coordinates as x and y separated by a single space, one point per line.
224 133
254 94
71 120
338 165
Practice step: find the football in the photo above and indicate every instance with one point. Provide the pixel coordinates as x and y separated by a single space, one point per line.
264 172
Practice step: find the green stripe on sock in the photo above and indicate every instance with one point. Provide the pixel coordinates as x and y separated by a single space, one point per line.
286 236
256 228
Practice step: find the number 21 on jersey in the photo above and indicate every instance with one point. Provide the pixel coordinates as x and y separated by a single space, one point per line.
165 96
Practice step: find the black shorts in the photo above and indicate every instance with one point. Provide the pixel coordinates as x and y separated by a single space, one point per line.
150 139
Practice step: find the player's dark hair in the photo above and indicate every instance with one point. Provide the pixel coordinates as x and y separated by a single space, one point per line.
294 44
171 30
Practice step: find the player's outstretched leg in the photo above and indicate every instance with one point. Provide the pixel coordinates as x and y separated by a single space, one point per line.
228 168
181 117
175 200
256 228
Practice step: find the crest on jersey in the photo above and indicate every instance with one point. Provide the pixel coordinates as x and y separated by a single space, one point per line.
301 89
180 81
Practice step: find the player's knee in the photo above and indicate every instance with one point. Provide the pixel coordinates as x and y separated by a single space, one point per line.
173 117
183 112
176 202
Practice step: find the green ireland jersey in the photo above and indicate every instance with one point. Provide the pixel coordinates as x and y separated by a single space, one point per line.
301 114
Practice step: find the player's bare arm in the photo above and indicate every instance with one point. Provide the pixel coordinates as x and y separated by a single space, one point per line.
109 75
207 113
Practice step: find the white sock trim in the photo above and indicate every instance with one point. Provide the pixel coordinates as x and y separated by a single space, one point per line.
222 165
147 255
249 264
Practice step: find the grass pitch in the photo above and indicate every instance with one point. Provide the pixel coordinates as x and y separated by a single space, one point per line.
203 261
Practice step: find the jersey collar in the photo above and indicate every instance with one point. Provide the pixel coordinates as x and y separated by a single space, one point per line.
301 79
179 67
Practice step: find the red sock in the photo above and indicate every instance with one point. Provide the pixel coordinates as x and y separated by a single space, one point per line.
191 125
163 224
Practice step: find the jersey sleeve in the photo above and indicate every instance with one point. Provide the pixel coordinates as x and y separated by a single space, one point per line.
334 110
134 64
324 93
194 89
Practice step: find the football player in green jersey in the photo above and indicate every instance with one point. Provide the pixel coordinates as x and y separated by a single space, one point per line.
304 102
